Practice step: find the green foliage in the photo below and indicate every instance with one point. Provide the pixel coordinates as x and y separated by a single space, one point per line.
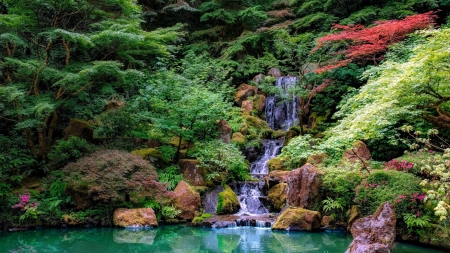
339 185
170 175
393 186
298 150
416 222
69 151
170 212
222 159
332 206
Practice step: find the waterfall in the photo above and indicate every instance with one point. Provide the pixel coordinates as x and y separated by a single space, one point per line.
283 115
252 195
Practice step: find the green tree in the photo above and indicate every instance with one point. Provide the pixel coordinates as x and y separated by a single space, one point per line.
63 59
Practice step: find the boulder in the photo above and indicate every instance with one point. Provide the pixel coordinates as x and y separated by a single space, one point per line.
224 130
358 152
304 186
113 104
276 199
243 92
247 107
209 202
139 217
325 222
275 72
148 153
258 78
227 202
191 172
186 200
277 176
374 233
298 219
79 128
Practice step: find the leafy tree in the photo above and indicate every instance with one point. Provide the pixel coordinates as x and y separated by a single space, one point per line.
63 59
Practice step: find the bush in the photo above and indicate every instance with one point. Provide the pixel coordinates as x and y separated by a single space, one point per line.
401 189
113 176
69 151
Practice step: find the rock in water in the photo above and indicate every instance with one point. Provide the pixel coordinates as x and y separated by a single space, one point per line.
298 219
374 233
139 217
304 186
187 200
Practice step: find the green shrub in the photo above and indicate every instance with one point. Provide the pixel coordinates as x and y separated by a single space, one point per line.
401 189
171 175
69 151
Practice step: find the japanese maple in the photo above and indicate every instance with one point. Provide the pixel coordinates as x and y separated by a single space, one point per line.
369 44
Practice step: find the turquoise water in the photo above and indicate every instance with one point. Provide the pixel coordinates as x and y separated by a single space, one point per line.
181 239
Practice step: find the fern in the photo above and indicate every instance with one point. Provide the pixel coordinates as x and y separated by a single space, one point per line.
412 221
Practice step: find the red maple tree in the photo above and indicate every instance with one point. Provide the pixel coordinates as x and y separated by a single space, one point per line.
369 44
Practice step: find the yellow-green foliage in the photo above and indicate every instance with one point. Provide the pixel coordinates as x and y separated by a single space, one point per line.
197 221
227 201
239 139
277 163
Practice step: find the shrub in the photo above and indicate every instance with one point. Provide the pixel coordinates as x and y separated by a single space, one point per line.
69 151
113 176
401 189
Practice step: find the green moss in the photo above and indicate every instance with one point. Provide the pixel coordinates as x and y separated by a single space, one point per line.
278 134
277 163
153 152
227 202
239 139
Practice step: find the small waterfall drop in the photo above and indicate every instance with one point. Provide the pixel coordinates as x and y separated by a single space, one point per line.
284 115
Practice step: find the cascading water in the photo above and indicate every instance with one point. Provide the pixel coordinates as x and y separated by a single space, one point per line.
283 115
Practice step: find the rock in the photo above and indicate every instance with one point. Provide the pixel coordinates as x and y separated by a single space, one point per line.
114 105
304 186
184 143
298 219
358 151
225 131
209 202
317 159
277 163
374 233
139 217
251 153
355 214
259 102
147 153
256 123
247 107
186 200
239 139
289 135
277 176
79 128
227 202
326 222
277 197
243 92
275 72
191 172
258 78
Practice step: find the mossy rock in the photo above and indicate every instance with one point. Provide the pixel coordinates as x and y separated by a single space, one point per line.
79 128
244 129
259 102
277 197
255 122
239 139
197 221
227 201
277 163
278 134
146 152
298 219
184 143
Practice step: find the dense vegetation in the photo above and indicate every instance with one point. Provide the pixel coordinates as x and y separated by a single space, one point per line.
165 72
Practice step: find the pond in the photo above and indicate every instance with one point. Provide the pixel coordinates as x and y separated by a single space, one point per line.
181 239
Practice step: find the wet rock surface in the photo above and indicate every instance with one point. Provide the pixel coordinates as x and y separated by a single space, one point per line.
225 221
374 233
210 199
304 186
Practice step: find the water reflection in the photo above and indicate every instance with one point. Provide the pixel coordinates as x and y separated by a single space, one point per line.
179 239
